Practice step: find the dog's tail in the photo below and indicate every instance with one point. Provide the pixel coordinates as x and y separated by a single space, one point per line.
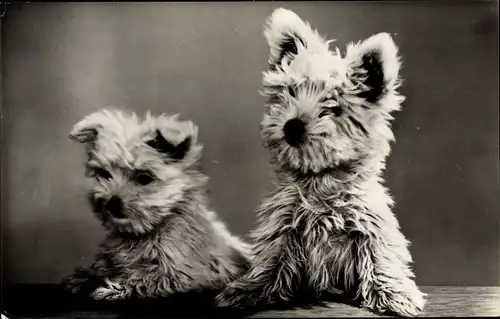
238 244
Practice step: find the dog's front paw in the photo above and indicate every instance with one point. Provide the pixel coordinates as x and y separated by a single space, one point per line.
112 291
105 293
242 295
230 297
405 304
417 298
235 296
75 282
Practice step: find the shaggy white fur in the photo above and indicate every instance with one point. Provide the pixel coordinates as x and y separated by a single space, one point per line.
328 225
150 196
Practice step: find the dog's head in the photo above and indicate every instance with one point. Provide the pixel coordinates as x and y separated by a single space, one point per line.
139 169
324 109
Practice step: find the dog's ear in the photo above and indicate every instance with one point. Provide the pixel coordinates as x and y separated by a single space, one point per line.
87 129
175 139
287 34
376 65
174 151
91 126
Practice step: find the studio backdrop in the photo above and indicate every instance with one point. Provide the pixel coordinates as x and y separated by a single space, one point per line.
62 61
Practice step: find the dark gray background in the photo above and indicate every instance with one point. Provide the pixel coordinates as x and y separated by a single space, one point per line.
62 61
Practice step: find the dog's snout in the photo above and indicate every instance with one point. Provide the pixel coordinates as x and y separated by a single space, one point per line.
114 206
294 131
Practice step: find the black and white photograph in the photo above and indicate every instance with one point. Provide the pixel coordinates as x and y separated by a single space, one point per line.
250 159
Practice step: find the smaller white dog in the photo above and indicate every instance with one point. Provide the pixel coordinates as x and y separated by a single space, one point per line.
151 199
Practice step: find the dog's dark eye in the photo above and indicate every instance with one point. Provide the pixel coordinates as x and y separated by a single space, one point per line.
330 105
335 111
143 177
102 173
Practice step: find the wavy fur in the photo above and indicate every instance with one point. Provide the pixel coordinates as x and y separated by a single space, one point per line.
328 225
165 239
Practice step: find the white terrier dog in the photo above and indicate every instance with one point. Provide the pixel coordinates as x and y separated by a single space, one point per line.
151 198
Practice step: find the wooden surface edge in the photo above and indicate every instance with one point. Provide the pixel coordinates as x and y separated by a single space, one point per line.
442 301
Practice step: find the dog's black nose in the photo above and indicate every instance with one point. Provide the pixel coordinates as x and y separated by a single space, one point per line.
114 207
294 131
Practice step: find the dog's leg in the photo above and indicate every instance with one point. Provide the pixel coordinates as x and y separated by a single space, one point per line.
276 266
153 284
84 277
145 284
330 262
274 276
78 279
112 290
386 280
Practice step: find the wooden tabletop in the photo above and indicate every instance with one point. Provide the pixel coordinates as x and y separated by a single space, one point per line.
46 301
442 302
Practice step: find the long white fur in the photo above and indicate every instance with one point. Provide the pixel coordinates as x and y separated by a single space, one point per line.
168 240
328 224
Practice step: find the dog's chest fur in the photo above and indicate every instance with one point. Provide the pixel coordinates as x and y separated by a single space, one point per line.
137 252
328 216
326 202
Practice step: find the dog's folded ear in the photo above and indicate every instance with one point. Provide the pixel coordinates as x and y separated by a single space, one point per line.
174 151
91 126
176 140
287 34
87 129
376 65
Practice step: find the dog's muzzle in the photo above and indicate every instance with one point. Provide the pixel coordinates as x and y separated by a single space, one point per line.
114 207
